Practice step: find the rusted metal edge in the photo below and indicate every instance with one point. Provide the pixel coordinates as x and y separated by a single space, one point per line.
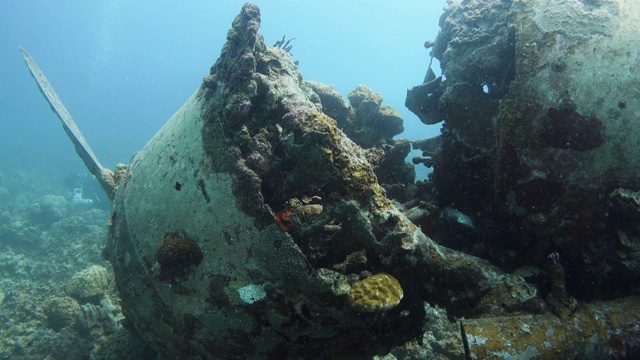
596 330
104 175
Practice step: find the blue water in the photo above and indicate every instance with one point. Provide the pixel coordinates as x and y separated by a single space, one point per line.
123 68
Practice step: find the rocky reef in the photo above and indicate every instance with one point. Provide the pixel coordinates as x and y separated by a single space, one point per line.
57 295
372 126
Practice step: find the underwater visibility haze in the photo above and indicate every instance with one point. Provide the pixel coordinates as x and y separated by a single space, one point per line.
350 180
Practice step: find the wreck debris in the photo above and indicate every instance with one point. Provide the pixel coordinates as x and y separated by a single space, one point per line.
533 156
570 130
559 299
592 332
270 160
262 139
537 149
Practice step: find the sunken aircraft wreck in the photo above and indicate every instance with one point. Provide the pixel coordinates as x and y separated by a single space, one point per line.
257 223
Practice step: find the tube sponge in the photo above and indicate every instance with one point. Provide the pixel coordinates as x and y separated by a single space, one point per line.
375 293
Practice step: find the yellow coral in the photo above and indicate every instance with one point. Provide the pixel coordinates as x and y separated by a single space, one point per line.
375 293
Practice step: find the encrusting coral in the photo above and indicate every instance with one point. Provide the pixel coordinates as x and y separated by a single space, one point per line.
375 293
175 256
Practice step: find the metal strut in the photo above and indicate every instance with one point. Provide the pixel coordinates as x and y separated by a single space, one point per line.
104 175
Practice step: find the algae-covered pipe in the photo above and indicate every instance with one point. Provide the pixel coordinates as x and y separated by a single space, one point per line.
594 331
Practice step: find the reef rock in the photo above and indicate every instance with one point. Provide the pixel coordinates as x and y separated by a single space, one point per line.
90 282
61 311
230 171
49 209
123 345
364 119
